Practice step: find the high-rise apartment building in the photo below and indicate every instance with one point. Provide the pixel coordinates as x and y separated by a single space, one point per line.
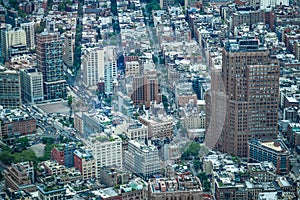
146 89
107 150
10 88
93 66
68 54
29 30
142 159
32 85
251 85
110 69
50 63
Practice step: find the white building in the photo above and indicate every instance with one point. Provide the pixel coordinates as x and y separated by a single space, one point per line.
93 66
16 36
272 3
107 150
29 30
142 159
133 130
32 85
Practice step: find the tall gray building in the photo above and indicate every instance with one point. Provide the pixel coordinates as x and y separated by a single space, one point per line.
32 85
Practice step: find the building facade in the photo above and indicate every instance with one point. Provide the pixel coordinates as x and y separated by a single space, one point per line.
32 85
145 89
50 63
29 30
69 46
158 127
20 176
142 159
10 88
274 151
107 150
85 162
93 66
251 92
64 154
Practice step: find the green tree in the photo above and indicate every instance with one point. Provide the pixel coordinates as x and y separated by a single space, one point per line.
40 28
24 142
6 157
205 182
47 140
70 100
197 164
164 100
192 150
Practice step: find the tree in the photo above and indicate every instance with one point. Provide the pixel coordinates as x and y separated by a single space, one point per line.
204 180
47 140
70 100
24 142
197 164
6 157
164 100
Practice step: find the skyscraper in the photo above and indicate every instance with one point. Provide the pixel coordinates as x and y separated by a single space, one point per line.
50 63
251 81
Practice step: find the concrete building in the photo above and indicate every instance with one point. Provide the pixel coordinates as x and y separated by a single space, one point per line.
274 151
50 63
184 94
68 49
158 127
15 123
16 36
132 68
135 189
133 130
164 4
32 85
93 66
145 89
181 187
272 3
30 34
142 159
94 122
85 162
10 88
194 120
107 150
53 190
64 154
78 122
251 82
20 176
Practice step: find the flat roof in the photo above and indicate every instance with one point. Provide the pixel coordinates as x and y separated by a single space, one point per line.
272 145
